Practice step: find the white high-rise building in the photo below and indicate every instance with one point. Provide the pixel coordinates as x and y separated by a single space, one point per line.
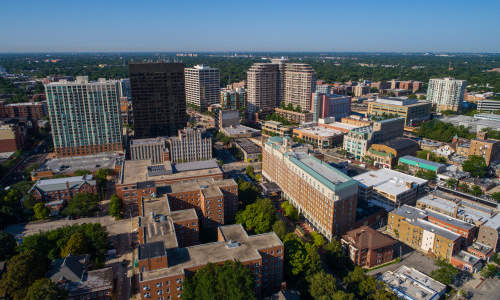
299 84
84 116
202 86
446 93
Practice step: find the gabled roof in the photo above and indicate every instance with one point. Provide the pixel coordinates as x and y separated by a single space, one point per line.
366 237
70 268
52 185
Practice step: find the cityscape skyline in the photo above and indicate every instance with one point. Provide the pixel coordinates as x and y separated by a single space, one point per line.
204 27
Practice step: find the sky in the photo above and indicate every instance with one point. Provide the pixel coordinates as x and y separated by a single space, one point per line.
252 25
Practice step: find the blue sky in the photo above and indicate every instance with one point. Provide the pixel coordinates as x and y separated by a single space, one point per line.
252 25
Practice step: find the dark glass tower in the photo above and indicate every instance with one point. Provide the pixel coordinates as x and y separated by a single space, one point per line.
158 98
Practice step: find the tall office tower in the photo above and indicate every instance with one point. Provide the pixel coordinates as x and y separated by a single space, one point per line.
84 116
326 197
125 88
299 84
262 83
281 62
202 86
446 93
190 145
158 98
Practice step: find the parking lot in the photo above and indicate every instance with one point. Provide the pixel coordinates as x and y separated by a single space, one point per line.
412 259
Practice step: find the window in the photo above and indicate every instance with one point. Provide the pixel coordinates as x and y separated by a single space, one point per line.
159 284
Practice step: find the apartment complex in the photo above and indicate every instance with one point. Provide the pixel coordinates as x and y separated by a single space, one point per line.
158 98
325 196
202 86
263 88
154 149
273 128
234 99
299 82
26 110
389 188
12 137
190 145
262 254
327 105
418 230
413 111
487 148
367 247
446 93
84 116
140 178
294 116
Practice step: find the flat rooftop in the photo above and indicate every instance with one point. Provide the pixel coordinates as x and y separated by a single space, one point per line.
249 146
239 130
89 162
150 141
237 246
135 171
408 283
388 181
319 131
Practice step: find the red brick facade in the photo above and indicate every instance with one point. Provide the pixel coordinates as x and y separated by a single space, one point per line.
87 150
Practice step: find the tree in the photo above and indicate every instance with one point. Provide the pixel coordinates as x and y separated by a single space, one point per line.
115 207
279 227
82 172
7 245
229 281
295 255
488 271
428 175
82 204
464 187
257 217
476 191
249 172
412 96
290 211
22 270
41 211
366 287
496 196
475 165
318 239
451 183
322 286
247 192
338 262
45 289
446 273
76 245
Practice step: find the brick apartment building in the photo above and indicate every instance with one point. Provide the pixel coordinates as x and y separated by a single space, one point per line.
163 266
12 137
367 247
27 110
325 196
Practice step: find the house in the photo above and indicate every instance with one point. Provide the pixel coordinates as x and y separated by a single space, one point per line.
367 247
63 188
71 273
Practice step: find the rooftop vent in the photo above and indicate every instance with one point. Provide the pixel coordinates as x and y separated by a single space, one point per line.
232 244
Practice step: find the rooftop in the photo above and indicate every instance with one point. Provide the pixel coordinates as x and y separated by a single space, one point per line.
408 283
240 129
320 170
135 171
419 161
69 165
389 181
237 245
319 131
467 257
248 146
156 140
366 237
51 185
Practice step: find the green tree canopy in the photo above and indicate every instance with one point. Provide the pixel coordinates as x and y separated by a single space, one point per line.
366 287
257 217
82 204
45 289
475 165
115 207
279 227
41 211
446 273
323 287
7 245
76 245
336 260
317 239
247 192
488 271
290 211
22 270
229 281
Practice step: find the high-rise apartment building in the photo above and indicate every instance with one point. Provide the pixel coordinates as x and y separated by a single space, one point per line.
281 62
158 98
84 116
263 87
235 99
202 86
446 93
325 196
190 145
299 84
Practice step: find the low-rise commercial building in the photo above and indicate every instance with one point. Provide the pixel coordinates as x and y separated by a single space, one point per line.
367 247
251 151
318 136
408 283
412 110
417 164
386 154
488 105
274 128
295 117
411 226
325 196
389 188
240 131
466 262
